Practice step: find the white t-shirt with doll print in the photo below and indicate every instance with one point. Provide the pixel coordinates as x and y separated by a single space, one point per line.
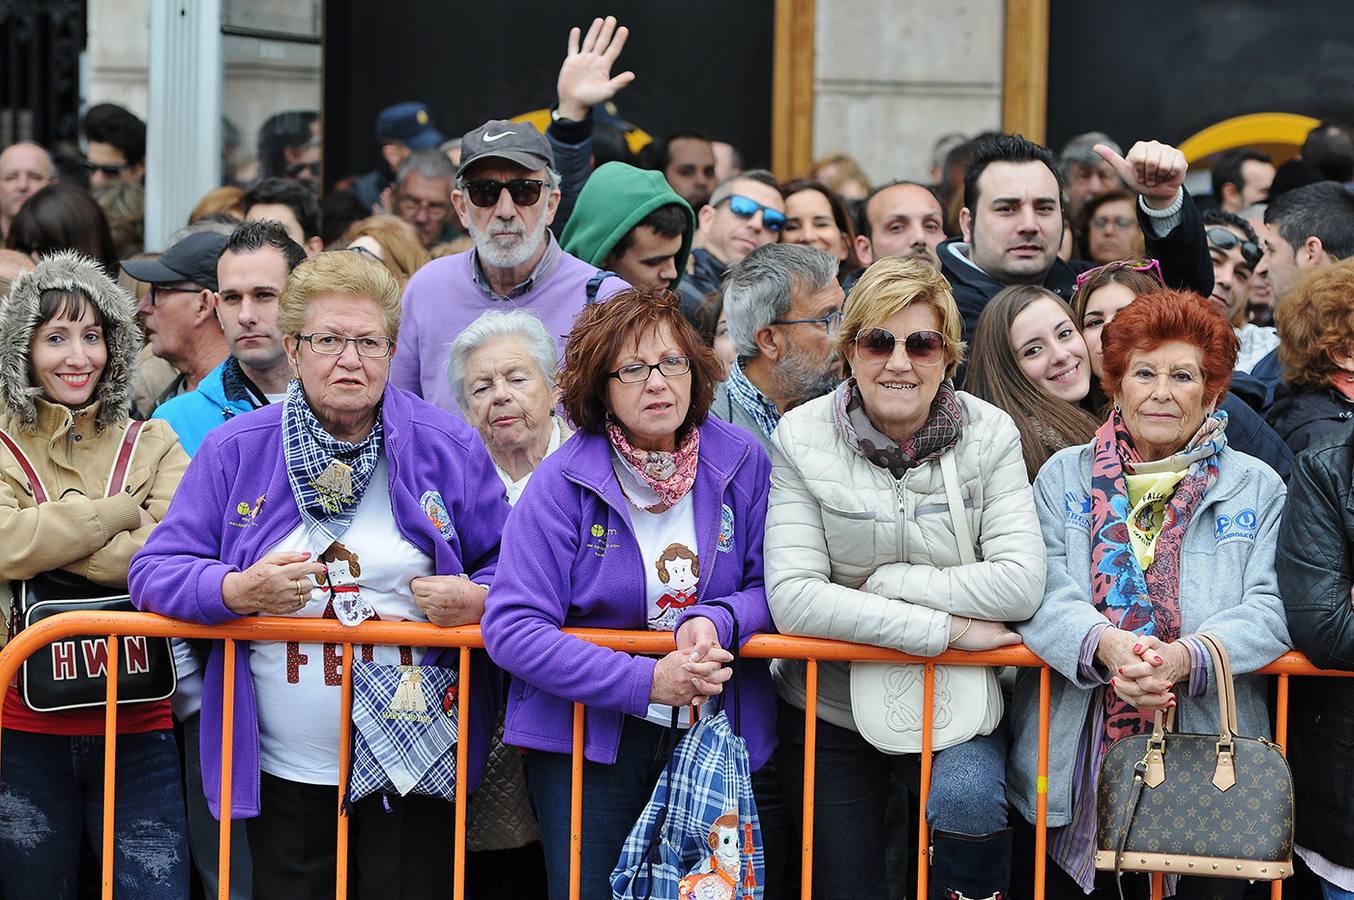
298 685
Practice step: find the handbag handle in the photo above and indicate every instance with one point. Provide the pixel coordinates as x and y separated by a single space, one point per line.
733 648
949 474
1224 773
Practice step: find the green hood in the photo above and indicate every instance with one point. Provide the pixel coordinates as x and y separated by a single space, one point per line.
614 200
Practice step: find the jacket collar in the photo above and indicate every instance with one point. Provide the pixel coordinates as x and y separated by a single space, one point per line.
958 267
55 420
1232 479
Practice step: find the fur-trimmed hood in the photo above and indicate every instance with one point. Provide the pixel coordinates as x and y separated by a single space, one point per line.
74 272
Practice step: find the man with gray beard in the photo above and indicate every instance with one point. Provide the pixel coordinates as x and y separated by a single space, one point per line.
506 195
784 309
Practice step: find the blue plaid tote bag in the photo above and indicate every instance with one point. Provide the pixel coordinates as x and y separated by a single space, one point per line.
404 731
699 836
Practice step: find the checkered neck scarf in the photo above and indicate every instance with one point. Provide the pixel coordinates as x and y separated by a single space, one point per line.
309 449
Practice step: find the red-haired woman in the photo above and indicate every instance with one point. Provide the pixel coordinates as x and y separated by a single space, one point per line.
1156 531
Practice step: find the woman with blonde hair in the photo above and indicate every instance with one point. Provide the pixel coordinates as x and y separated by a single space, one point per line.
919 541
391 241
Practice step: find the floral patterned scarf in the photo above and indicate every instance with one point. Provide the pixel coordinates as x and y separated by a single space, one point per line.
669 475
940 432
1144 600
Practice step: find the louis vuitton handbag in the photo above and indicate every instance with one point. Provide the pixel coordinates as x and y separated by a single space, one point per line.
1210 805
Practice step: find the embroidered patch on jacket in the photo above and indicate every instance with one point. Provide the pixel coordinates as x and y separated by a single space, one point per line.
248 515
1240 527
725 543
436 511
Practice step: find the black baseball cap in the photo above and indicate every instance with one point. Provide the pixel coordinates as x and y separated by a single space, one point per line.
517 142
191 259
409 123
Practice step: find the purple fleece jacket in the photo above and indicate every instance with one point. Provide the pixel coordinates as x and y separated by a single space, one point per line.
204 537
570 559
443 298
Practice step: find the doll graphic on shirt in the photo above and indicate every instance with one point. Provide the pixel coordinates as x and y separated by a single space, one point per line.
678 569
342 570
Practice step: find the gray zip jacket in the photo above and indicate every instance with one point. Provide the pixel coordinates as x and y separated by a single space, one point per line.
1227 589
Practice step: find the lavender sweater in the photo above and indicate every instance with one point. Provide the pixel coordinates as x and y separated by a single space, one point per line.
570 560
204 537
443 298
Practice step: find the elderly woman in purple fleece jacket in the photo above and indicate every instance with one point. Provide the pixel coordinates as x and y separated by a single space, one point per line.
354 500
651 512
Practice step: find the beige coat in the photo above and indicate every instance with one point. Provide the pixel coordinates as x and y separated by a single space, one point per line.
83 531
856 555
79 529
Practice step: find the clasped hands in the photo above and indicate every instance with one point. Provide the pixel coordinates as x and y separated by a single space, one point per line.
697 669
1143 670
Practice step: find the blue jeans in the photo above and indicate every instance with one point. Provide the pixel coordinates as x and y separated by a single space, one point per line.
1331 892
51 794
851 793
613 798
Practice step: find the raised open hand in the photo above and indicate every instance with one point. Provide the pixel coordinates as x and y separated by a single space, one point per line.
585 78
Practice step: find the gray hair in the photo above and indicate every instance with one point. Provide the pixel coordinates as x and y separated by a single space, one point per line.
430 163
757 291
1081 149
496 324
725 189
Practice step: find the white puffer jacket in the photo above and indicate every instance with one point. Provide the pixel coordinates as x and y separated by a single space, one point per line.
854 554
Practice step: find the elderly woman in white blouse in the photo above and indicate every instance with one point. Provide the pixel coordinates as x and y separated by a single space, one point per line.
502 371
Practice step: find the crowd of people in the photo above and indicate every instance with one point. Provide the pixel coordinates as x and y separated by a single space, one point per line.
517 381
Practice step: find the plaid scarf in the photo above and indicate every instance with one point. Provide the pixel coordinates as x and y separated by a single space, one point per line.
1143 602
310 451
940 432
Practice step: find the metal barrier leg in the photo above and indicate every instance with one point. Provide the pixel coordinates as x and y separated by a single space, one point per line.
576 809
810 769
462 762
928 702
1041 790
110 765
227 771
1280 738
345 752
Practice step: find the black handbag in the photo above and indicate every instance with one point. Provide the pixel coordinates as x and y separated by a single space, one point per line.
72 673
1208 805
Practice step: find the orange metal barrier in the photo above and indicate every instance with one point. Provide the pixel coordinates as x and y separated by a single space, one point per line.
414 634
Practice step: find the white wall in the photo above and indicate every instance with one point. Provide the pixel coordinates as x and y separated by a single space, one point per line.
892 76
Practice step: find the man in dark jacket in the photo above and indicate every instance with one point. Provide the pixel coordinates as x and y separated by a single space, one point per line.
1314 571
744 213
1012 222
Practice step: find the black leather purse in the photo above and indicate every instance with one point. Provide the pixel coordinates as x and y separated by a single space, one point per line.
1209 805
72 673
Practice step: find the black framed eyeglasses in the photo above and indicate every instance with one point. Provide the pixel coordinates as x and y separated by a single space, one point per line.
325 344
668 367
160 290
1225 240
484 192
832 321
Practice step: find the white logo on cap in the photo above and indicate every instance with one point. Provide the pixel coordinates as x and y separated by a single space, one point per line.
490 138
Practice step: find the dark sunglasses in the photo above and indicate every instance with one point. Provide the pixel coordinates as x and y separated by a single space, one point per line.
746 208
295 170
924 348
109 170
484 192
1225 240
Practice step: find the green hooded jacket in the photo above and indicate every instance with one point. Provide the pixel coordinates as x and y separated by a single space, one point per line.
614 200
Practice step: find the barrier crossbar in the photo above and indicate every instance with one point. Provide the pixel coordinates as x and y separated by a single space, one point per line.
467 638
